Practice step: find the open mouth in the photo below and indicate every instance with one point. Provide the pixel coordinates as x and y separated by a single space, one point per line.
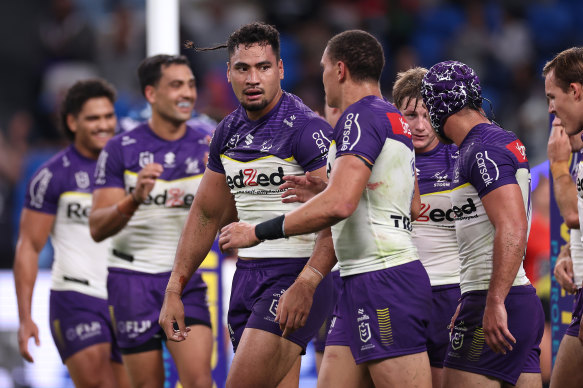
102 134
253 94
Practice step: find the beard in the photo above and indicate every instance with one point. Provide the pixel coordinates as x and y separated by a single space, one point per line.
255 106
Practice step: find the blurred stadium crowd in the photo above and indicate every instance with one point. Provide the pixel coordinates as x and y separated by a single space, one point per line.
47 45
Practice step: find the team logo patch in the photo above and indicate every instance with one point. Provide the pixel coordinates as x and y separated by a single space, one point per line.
518 149
82 179
398 124
145 158
273 307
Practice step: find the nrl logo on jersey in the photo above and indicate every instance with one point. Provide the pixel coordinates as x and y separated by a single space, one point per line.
192 166
145 158
82 179
169 159
232 143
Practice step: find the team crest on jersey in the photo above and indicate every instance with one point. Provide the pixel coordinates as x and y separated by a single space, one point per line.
169 159
145 158
82 179
518 149
266 146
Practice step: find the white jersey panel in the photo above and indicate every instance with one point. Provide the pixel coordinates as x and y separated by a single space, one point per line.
71 241
434 236
577 256
475 234
255 186
378 234
161 218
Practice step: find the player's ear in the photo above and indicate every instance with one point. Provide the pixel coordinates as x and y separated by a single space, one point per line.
577 89
72 123
150 93
341 70
280 68
229 72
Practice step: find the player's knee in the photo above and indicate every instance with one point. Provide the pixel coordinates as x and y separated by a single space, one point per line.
201 380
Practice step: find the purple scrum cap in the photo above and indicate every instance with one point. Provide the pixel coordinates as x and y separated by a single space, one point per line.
447 87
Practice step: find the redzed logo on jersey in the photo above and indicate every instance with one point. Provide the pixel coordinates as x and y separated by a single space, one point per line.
399 125
518 149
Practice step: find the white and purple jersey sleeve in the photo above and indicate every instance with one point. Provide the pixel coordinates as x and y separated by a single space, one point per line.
378 234
254 156
490 157
62 187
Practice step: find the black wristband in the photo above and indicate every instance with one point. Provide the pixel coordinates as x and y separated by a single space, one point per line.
270 229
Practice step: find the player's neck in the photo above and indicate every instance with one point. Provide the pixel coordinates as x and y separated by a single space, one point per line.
353 92
86 151
458 125
167 129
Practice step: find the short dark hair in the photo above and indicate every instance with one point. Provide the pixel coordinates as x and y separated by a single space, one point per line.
568 67
252 33
79 94
408 85
361 53
150 69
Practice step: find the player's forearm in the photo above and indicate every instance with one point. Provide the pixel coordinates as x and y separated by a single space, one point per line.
25 273
566 198
323 257
108 221
322 211
195 242
509 248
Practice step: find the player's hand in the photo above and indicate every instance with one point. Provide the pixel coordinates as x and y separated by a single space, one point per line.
172 317
564 270
26 330
495 325
453 318
301 188
558 148
237 235
294 307
146 180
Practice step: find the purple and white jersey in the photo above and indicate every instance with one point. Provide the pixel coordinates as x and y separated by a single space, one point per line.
62 187
489 158
575 234
378 234
434 230
255 156
149 240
